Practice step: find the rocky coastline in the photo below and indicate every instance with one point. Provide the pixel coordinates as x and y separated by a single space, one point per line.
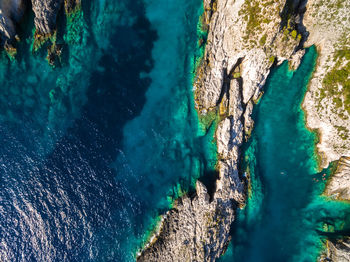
327 102
246 38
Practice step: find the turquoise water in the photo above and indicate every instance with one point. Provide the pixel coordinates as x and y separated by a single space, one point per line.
286 218
95 149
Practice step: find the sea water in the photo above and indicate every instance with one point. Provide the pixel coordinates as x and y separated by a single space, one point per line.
286 217
94 150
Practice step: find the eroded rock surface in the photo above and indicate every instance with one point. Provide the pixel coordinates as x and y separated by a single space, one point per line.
339 184
327 102
339 188
340 251
11 11
45 15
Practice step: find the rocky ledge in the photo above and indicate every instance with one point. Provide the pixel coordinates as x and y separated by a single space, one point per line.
45 15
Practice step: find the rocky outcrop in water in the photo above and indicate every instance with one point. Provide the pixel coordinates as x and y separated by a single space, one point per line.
339 185
245 39
45 15
46 11
11 11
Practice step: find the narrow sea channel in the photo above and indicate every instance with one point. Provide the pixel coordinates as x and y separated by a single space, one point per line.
286 215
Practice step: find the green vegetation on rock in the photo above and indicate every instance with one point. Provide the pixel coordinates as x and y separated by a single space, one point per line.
337 81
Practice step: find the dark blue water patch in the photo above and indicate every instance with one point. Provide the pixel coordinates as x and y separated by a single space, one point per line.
68 206
92 148
165 149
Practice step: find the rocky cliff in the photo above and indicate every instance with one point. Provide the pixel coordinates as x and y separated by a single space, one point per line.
11 12
245 39
327 102
45 15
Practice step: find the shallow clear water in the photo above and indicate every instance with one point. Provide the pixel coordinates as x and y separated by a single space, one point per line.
94 150
285 218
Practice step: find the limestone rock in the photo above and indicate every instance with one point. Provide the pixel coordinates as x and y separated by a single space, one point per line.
190 228
340 251
339 184
11 11
248 121
327 103
296 59
45 15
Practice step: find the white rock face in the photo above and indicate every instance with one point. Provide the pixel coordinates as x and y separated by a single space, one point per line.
46 14
339 185
329 25
339 252
46 11
295 60
11 12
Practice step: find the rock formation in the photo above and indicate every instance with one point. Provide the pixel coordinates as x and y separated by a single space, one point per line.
11 11
339 185
46 11
45 15
340 250
327 102
245 39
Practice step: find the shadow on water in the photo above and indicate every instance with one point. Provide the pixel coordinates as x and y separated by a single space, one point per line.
76 208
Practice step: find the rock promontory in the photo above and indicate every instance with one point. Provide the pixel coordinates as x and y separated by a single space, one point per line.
245 39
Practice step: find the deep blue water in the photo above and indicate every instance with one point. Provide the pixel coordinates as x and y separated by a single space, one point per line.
286 217
93 151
